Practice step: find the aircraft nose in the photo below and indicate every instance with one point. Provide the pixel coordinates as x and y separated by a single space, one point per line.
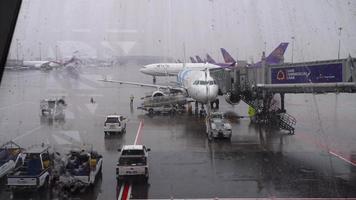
213 92
144 69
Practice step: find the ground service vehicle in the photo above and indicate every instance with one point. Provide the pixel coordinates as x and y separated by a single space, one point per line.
53 108
219 127
115 124
35 172
132 162
81 170
11 157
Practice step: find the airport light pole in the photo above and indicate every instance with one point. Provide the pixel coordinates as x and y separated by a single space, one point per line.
338 52
293 38
39 44
56 52
265 46
17 49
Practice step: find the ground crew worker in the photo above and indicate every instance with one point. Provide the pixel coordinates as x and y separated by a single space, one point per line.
251 113
131 99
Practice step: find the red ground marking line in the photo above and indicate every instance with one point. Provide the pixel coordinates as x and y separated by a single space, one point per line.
125 193
342 158
320 145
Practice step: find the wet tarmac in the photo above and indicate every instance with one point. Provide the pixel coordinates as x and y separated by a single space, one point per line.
318 161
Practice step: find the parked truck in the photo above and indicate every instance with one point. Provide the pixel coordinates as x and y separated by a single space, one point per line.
132 162
35 171
81 170
53 108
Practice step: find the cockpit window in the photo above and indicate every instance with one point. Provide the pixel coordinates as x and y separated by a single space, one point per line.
204 83
212 83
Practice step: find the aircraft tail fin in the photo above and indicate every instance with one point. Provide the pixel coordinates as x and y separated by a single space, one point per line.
209 59
277 55
199 60
227 57
72 60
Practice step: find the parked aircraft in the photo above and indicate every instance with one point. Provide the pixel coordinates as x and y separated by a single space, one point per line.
48 65
275 57
173 69
196 84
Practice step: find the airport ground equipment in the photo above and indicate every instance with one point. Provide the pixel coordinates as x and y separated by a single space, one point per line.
132 162
11 157
115 124
219 127
53 108
256 86
172 103
81 170
36 171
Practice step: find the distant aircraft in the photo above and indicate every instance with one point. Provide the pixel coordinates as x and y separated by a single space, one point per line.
222 65
192 60
273 58
276 56
199 60
209 59
227 57
173 69
48 65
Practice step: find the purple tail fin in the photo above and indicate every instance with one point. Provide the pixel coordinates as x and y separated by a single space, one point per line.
277 54
199 60
227 57
209 59
192 60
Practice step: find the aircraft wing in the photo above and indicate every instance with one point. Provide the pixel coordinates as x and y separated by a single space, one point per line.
168 87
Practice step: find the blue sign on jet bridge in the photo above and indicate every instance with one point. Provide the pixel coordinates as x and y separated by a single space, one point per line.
325 73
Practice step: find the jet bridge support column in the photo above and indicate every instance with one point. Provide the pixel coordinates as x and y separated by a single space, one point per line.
282 103
196 108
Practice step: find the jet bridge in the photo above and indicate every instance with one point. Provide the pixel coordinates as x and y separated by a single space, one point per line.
256 86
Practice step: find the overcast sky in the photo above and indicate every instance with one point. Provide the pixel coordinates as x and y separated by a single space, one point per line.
109 28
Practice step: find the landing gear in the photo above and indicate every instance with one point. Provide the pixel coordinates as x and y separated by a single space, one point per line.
202 112
196 108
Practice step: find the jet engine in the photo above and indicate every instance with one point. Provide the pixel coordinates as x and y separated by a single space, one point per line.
232 98
157 93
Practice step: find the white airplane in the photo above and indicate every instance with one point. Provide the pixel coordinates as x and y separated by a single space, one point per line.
173 69
47 65
196 84
34 64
